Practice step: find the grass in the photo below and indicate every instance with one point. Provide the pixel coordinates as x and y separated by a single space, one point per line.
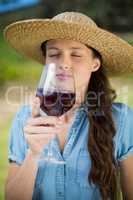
4 129
14 67
124 87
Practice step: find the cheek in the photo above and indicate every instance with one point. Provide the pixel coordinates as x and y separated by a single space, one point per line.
82 77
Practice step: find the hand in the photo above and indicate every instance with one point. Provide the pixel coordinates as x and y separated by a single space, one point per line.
40 130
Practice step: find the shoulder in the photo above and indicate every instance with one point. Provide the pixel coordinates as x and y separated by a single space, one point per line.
24 110
17 143
118 107
123 118
23 113
122 115
120 111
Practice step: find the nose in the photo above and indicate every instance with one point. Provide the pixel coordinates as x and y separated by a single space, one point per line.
65 62
65 67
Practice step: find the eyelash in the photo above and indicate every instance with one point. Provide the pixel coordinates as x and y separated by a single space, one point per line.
56 55
77 56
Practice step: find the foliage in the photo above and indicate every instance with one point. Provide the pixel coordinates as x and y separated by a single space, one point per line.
111 14
14 67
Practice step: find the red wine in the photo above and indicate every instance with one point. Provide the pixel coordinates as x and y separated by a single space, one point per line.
56 103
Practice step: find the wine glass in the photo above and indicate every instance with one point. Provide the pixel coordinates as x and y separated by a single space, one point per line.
56 90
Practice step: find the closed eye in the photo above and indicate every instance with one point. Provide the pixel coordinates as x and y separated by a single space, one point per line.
54 55
76 55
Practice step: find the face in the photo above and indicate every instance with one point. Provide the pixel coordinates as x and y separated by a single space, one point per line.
75 56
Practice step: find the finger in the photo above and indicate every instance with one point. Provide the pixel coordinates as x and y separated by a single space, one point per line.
48 120
40 137
36 107
37 140
41 129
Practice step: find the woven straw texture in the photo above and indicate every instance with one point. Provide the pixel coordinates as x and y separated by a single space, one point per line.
26 37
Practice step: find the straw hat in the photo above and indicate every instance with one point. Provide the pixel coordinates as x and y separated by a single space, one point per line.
26 37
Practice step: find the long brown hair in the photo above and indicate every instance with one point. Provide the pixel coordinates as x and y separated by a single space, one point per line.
104 170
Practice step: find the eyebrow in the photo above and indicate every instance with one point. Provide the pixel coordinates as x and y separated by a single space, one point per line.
50 47
55 48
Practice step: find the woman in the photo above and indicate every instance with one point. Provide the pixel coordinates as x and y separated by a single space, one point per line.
96 141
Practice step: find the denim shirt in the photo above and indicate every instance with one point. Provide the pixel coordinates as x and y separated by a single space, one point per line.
70 181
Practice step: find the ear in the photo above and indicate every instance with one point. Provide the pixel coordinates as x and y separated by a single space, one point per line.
96 65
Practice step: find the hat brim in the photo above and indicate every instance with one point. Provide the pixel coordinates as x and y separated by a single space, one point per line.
27 36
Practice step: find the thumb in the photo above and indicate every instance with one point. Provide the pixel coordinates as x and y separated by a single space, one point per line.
36 107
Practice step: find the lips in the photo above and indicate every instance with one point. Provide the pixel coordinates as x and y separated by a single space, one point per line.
63 76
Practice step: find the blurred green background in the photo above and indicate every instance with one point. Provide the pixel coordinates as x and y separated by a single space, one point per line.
19 76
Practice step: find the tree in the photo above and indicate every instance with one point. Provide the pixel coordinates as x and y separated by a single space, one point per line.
111 14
